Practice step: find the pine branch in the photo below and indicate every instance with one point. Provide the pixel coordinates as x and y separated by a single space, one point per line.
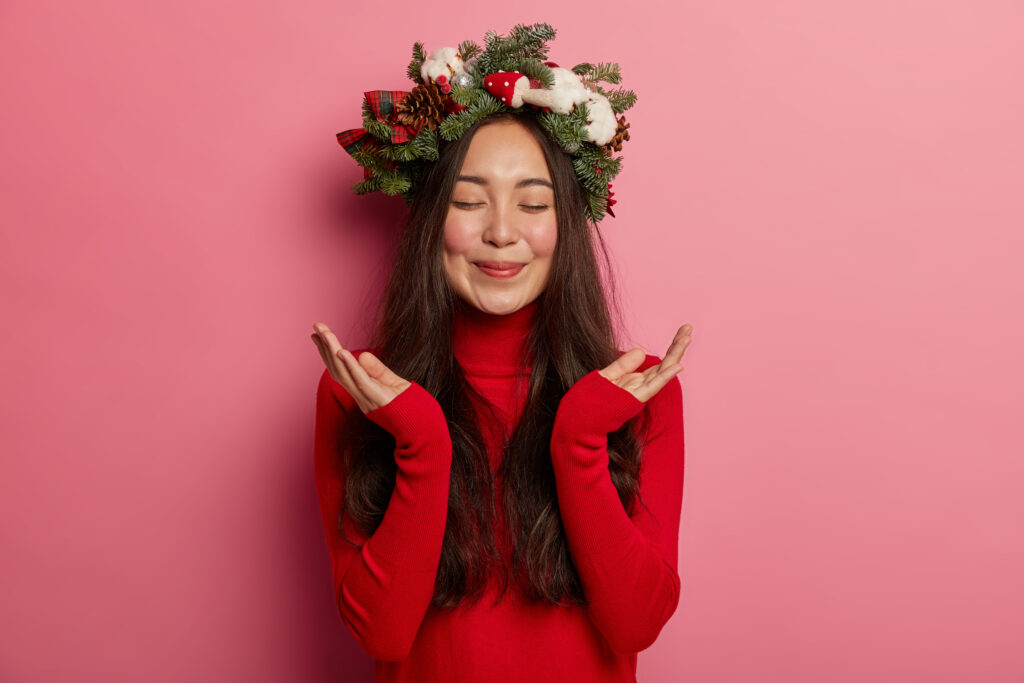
602 71
399 152
531 39
366 158
394 183
468 49
366 186
425 145
454 126
418 57
620 99
534 68
505 53
377 128
596 207
582 68
567 130
464 96
413 175
587 160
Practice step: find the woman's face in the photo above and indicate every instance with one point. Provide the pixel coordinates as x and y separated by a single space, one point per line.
501 228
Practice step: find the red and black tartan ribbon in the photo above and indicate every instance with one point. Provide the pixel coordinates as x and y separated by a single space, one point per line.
383 104
356 139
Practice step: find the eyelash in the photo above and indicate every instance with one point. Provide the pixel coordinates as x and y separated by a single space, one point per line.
535 207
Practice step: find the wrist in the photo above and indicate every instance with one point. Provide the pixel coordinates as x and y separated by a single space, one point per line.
595 405
412 416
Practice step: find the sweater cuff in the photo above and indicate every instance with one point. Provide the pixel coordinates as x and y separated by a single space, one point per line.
413 416
595 406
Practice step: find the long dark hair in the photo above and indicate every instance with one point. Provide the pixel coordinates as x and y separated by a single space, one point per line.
572 335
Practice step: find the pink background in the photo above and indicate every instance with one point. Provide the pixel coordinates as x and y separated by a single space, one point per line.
830 192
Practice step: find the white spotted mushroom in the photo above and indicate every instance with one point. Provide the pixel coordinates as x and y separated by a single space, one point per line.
507 86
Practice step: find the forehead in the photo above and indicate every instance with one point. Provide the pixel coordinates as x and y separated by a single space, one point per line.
505 149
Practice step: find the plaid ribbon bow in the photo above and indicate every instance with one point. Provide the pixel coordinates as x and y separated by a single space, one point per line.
383 104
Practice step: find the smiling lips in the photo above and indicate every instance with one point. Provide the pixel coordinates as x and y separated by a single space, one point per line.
500 269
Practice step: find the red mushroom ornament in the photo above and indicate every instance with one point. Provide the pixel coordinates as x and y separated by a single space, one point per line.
507 86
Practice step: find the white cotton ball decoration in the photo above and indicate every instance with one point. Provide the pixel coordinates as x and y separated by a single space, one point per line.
566 93
444 61
602 124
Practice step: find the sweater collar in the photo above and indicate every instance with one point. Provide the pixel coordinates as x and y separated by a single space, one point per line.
485 343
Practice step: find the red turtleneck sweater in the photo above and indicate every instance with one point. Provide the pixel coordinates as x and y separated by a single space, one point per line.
627 565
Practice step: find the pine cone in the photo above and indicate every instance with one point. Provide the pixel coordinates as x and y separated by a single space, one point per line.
423 106
621 135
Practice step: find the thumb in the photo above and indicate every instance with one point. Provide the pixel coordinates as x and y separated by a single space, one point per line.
624 364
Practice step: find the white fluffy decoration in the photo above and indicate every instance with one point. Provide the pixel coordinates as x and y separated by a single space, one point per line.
444 61
567 92
603 125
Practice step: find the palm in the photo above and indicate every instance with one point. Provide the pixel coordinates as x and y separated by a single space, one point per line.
371 383
645 384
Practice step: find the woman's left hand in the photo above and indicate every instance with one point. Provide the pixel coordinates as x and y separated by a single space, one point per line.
646 384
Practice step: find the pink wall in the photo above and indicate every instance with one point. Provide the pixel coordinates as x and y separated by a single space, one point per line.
829 192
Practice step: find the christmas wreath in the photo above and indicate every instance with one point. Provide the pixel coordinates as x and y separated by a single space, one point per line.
456 87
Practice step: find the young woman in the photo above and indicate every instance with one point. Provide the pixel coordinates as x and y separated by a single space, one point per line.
509 508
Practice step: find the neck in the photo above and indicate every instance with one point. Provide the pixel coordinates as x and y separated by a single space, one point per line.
485 342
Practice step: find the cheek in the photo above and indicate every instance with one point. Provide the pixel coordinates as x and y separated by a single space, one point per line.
458 238
458 235
457 243
543 238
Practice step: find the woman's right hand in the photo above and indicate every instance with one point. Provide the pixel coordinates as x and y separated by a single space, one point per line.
371 383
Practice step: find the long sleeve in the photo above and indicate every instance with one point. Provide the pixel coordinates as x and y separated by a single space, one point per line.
384 588
628 566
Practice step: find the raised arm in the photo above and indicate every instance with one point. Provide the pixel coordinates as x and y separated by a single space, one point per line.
628 566
384 588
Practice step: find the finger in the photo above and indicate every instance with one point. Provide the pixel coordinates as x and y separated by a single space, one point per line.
376 369
350 384
320 348
658 382
678 345
332 344
340 372
676 348
370 387
325 353
624 364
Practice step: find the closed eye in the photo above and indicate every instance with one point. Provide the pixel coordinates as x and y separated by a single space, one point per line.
531 207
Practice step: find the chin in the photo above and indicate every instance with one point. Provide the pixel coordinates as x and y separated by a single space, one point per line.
496 306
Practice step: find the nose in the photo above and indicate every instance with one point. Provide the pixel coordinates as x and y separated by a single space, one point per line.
501 230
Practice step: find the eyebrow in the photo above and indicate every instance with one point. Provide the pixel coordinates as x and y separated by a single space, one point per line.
525 182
